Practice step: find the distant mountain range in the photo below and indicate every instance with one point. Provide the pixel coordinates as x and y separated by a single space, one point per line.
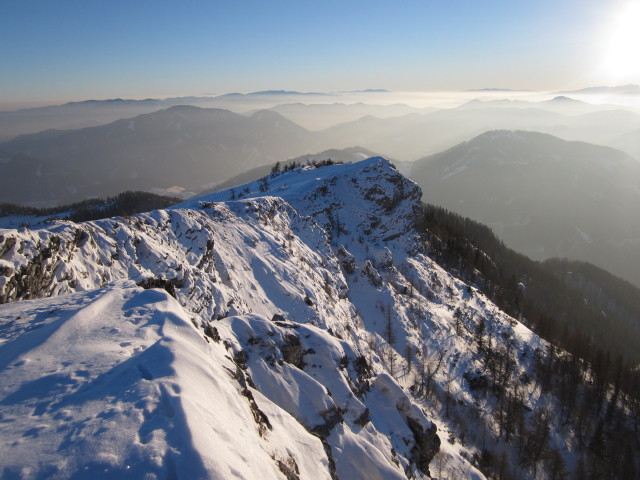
319 116
630 89
558 104
490 89
279 92
188 149
543 196
92 113
73 115
586 210
414 135
313 110
181 146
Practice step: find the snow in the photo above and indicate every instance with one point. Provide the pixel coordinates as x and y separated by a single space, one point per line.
117 382
273 356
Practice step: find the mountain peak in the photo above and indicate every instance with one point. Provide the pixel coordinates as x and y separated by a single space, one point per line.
279 120
297 318
371 195
563 98
264 306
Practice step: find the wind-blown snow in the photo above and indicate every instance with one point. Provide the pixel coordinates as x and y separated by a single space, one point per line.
272 361
118 383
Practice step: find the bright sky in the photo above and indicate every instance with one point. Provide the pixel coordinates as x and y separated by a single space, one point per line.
59 50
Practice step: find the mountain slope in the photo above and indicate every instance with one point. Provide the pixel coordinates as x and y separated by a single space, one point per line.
182 146
629 143
306 314
345 155
543 196
129 396
324 115
190 149
220 260
126 203
413 136
73 115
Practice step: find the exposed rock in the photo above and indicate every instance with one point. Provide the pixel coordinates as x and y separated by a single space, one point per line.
426 446
332 417
6 244
292 351
371 273
241 358
347 261
363 419
289 468
212 332
156 282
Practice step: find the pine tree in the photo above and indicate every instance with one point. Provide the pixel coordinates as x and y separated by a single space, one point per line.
389 333
457 315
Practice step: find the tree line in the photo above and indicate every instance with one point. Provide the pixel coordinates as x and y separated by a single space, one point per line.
123 204
591 320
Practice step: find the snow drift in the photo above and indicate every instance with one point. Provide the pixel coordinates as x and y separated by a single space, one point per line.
275 330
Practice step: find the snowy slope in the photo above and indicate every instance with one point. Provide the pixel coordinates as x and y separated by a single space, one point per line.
118 383
310 337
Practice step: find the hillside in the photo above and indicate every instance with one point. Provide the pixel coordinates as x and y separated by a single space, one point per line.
188 149
72 115
297 327
125 203
413 136
178 149
543 196
345 155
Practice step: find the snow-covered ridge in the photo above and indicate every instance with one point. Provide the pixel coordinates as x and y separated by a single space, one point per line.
370 195
304 310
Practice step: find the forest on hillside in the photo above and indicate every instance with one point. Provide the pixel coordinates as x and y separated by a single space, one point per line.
591 320
123 204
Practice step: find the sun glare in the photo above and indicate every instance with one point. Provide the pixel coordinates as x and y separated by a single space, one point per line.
622 59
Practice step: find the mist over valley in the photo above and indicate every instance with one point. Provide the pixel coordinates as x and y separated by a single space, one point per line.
337 241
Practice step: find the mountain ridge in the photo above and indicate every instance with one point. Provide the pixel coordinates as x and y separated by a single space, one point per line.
183 145
307 302
544 196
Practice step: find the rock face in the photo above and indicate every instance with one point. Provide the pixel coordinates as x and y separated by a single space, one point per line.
281 333
427 444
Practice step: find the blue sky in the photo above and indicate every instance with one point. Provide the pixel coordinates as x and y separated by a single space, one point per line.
58 50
